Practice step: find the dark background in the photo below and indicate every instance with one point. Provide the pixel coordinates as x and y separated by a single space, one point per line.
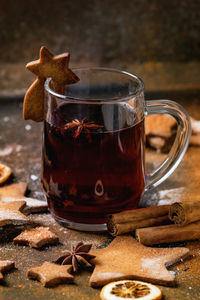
158 40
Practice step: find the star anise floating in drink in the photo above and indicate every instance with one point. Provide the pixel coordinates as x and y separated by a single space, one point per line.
81 126
78 256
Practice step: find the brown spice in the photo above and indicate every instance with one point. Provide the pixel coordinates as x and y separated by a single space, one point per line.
130 220
168 233
77 256
185 212
81 126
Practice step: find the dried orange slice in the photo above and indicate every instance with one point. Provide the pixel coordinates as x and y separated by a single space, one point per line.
130 289
5 173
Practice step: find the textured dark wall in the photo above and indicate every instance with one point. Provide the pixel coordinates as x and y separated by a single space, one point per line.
159 40
101 31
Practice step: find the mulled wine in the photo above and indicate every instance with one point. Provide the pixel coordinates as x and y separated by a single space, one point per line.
93 164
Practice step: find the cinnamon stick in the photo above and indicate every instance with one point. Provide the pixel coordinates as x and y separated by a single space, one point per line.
183 212
168 233
130 220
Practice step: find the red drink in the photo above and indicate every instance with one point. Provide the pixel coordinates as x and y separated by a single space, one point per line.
93 149
90 172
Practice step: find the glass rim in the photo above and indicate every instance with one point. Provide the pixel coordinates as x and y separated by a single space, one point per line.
84 99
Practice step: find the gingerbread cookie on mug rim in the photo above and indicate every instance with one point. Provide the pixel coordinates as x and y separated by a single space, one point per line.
48 65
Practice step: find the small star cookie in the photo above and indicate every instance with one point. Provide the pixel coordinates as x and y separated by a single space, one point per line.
159 125
50 274
159 130
5 265
16 192
10 213
36 237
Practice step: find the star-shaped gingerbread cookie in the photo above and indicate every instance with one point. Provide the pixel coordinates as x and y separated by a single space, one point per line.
16 192
159 125
48 65
5 265
10 213
125 258
36 237
50 274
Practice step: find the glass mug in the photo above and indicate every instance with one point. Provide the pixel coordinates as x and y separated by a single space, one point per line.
93 146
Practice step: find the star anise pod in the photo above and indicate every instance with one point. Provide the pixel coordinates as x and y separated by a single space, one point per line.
78 256
81 126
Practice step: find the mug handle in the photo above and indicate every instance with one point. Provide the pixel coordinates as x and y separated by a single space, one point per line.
180 144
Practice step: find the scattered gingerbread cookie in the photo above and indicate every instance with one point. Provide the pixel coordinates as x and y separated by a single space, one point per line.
157 142
10 213
48 65
77 257
195 124
50 274
159 125
160 133
125 258
195 140
195 137
5 265
5 173
36 237
16 192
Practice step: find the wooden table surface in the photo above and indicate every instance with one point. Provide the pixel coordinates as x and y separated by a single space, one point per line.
20 148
